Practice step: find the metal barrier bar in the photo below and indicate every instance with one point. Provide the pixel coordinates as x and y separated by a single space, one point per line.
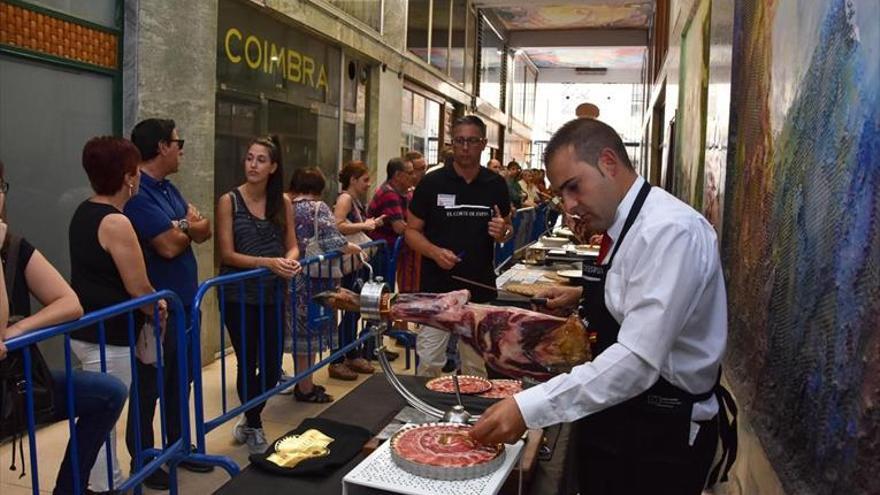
170 454
325 264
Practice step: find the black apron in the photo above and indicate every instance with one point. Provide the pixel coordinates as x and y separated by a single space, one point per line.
642 444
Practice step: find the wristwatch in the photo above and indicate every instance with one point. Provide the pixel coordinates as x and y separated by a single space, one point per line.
183 225
507 232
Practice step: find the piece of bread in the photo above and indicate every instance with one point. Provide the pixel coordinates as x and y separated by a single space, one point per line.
528 290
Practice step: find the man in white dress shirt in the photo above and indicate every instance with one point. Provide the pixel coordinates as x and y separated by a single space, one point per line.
646 409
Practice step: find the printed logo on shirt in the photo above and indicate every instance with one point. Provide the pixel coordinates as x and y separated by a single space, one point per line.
473 211
446 200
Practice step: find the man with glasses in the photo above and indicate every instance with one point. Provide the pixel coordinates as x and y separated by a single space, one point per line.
391 200
166 225
420 168
457 215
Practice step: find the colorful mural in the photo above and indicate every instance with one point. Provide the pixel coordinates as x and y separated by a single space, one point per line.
802 238
693 80
601 14
609 57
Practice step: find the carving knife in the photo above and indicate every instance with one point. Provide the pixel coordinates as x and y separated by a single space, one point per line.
540 301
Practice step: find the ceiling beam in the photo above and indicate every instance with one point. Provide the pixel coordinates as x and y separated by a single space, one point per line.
579 38
612 76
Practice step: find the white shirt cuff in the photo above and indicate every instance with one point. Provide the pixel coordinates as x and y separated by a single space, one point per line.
532 404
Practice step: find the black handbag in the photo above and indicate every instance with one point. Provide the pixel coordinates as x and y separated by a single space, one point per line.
13 400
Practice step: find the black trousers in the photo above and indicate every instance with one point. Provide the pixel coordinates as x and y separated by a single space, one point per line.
626 451
248 353
148 393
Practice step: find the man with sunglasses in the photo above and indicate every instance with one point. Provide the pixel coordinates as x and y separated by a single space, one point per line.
457 215
166 225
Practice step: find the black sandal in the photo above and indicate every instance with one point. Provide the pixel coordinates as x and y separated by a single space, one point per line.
318 395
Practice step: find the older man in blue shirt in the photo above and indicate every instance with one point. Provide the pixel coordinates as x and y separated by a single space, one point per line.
166 225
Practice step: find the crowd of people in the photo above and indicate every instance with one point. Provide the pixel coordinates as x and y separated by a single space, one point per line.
651 393
135 236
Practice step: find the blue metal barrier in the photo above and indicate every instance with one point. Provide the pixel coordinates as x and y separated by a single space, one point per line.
170 454
540 225
320 273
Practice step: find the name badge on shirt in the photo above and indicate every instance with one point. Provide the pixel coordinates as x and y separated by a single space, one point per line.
446 200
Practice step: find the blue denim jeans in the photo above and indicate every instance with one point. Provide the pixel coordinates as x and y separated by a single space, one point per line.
98 400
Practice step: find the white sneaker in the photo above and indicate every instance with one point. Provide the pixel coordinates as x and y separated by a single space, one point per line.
285 378
241 432
256 442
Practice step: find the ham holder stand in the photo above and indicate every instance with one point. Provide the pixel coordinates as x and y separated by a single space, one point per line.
375 305
378 473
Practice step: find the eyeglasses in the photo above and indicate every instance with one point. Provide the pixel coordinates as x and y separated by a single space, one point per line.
178 141
4 187
461 141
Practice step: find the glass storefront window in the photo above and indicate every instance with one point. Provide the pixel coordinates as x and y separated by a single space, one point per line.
440 35
422 132
417 27
275 79
366 11
459 40
531 85
491 56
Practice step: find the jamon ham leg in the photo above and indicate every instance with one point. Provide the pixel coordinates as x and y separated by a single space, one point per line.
514 341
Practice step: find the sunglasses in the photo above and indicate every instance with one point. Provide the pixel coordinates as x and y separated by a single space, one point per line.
178 141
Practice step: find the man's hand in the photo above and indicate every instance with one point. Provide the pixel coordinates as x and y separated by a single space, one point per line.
193 214
445 258
498 226
561 297
503 422
2 350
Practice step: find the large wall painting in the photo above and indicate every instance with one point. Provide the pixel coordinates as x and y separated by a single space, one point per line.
694 80
801 239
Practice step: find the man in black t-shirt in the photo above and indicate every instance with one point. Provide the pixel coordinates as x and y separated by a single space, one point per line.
457 215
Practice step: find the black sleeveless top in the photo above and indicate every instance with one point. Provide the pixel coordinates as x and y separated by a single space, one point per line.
94 277
20 298
252 236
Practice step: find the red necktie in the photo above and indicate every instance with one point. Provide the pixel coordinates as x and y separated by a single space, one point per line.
604 248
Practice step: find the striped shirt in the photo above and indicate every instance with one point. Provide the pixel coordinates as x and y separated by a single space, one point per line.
393 205
253 236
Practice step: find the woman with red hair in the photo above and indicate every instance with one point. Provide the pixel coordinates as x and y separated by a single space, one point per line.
106 268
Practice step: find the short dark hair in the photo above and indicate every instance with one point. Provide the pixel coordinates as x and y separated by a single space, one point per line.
412 156
307 180
470 120
588 137
107 160
513 163
147 135
394 166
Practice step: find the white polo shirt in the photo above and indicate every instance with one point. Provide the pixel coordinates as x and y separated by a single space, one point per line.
666 289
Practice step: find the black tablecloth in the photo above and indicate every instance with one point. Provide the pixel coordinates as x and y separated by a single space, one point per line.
372 405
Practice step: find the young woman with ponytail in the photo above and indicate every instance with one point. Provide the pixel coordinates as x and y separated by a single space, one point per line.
255 229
